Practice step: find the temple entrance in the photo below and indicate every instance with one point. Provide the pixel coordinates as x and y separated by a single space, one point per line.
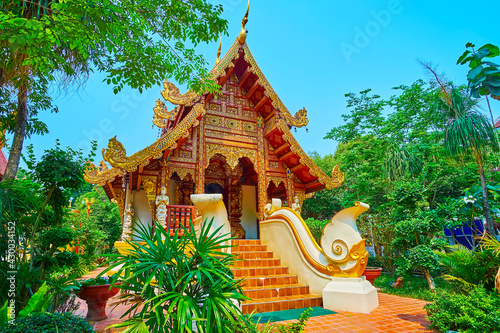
238 187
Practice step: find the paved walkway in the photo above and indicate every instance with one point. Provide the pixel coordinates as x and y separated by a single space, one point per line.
394 314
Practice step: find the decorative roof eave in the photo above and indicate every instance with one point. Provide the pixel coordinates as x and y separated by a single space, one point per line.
227 61
300 118
116 154
101 174
337 177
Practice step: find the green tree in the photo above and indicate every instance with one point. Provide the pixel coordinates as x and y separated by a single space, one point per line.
468 132
483 76
138 44
402 149
59 172
103 226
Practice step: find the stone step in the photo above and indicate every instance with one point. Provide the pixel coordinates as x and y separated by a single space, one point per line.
263 262
281 303
276 291
269 285
259 271
246 242
248 248
261 281
254 255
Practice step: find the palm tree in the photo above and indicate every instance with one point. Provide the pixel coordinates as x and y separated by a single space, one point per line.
468 132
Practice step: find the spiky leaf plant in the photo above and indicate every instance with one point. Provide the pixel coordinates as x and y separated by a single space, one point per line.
174 284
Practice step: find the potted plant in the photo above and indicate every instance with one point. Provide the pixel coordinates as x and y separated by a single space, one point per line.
371 273
96 292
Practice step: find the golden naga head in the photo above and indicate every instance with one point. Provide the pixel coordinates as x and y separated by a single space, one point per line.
243 33
172 94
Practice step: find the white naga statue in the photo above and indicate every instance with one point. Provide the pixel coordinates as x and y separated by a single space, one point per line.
127 225
296 205
162 202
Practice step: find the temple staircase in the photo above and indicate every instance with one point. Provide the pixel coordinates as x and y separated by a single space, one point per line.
269 285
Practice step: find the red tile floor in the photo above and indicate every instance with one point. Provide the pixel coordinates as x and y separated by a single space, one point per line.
394 314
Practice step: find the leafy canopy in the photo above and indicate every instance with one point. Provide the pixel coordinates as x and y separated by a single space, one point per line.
137 43
483 76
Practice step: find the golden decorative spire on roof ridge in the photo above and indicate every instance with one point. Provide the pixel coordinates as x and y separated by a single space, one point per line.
218 51
243 33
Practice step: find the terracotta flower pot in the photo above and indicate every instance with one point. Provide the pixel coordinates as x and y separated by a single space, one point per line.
371 273
96 298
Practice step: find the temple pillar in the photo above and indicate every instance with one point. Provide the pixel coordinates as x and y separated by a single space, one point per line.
290 188
261 168
202 163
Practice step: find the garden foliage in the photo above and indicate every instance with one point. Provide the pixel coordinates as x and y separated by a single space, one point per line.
175 284
49 323
472 312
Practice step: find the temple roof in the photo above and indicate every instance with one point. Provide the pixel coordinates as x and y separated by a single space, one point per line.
191 108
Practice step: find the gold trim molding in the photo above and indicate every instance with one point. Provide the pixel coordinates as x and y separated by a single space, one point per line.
116 154
232 154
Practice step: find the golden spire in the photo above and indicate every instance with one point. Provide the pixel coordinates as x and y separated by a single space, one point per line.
218 51
243 33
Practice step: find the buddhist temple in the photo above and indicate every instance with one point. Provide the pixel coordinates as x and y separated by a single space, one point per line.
234 156
238 143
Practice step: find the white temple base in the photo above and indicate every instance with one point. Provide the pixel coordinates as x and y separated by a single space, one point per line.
350 294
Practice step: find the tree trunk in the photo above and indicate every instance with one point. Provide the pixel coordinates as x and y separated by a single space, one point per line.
19 133
490 228
497 281
430 281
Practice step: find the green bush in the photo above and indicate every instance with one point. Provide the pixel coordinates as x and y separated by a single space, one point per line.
478 311
67 258
57 237
316 227
467 268
374 262
419 257
49 323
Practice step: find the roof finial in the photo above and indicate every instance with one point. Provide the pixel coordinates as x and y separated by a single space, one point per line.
243 33
218 51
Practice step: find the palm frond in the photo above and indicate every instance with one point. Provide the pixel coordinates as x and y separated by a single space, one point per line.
400 161
467 128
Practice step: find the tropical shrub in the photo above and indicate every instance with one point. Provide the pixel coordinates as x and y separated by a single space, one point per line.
96 231
477 311
176 283
49 323
468 268
38 303
57 237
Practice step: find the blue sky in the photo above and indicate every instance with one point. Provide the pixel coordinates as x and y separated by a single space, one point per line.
312 53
